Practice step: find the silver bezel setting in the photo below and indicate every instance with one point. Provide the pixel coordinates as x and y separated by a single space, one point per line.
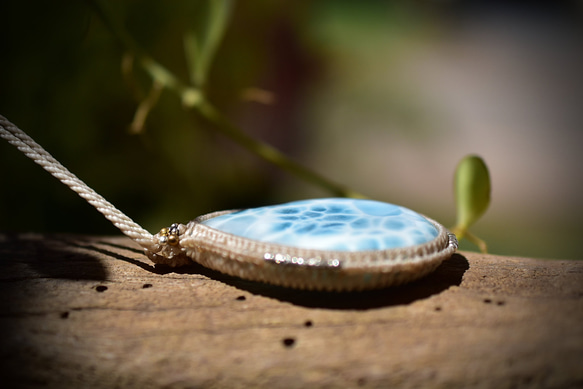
313 269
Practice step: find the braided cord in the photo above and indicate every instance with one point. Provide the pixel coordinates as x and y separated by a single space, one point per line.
34 151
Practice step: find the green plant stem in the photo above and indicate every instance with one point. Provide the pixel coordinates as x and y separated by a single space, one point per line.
155 69
193 98
477 241
270 153
462 233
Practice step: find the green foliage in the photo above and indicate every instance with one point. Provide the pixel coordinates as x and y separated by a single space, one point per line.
472 196
199 57
200 51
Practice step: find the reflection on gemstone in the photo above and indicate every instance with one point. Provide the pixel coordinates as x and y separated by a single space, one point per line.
330 224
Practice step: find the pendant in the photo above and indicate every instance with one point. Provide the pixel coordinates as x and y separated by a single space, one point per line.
330 244
334 244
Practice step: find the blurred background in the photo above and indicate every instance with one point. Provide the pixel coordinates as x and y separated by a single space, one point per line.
384 97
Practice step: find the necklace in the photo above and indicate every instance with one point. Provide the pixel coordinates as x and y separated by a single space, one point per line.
335 244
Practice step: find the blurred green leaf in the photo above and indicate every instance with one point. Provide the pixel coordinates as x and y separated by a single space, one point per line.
472 190
201 51
472 196
192 53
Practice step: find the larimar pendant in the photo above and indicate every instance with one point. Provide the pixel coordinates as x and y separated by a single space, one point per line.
322 244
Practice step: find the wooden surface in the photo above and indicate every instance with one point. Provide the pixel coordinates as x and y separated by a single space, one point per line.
91 312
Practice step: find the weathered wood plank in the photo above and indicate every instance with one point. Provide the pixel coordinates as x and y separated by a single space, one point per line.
92 312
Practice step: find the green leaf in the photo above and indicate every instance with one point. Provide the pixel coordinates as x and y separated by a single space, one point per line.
201 51
472 191
192 54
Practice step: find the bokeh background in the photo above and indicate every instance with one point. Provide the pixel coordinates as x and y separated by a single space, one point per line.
384 97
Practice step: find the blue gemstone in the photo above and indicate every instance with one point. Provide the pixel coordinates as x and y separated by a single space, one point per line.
330 224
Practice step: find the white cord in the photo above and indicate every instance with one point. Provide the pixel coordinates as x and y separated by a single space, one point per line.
34 151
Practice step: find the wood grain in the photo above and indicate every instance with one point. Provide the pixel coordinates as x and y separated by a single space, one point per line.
91 312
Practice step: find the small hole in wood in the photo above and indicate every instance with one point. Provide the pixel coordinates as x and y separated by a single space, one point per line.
308 323
64 315
288 342
487 301
361 382
146 286
500 303
437 309
241 298
101 288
